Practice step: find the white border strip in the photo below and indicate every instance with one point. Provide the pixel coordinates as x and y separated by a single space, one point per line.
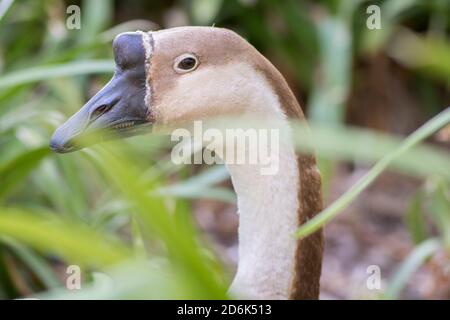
148 47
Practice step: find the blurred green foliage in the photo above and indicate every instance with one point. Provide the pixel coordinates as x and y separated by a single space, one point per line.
125 219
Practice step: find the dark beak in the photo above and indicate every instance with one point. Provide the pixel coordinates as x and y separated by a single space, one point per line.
118 110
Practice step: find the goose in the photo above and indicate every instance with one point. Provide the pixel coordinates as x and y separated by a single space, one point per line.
191 74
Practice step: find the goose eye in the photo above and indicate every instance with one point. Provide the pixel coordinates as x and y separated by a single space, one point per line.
185 63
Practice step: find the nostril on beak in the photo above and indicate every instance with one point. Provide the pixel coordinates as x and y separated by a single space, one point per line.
55 146
59 146
100 110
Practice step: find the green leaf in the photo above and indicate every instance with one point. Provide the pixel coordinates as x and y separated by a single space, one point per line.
77 244
35 262
392 12
96 16
55 71
204 11
440 208
342 202
200 186
414 260
415 219
367 146
13 172
4 7
183 248
429 55
131 280
331 89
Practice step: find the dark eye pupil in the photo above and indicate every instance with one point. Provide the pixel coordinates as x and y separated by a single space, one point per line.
187 63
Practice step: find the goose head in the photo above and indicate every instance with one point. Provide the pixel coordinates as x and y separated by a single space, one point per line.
172 77
168 77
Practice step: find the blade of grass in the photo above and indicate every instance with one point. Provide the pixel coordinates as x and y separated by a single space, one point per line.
331 89
336 207
367 147
130 280
200 186
439 205
55 71
4 7
415 259
205 11
181 244
393 12
35 262
74 242
7 289
415 219
13 172
185 192
428 55
93 22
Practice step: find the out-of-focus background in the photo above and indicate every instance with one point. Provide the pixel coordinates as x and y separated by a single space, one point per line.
348 68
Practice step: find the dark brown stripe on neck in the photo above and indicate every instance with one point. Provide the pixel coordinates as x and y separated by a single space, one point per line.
309 253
